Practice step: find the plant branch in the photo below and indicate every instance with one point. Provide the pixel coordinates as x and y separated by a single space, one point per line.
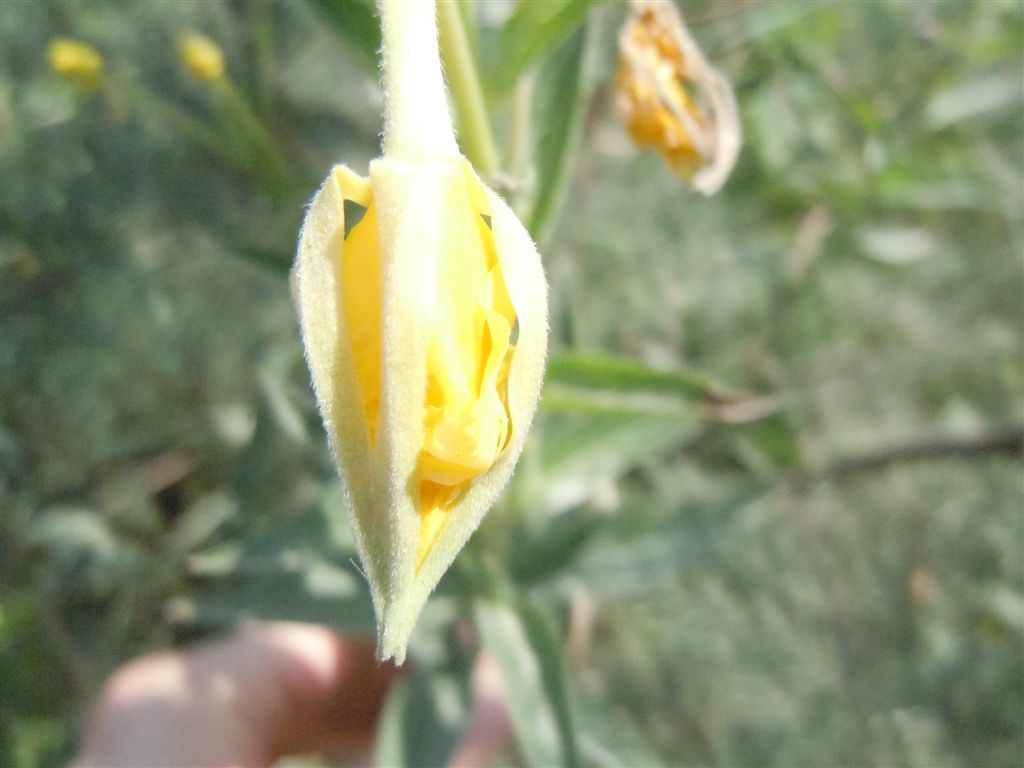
1008 440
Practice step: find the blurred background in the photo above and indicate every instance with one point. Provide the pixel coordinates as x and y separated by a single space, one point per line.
772 511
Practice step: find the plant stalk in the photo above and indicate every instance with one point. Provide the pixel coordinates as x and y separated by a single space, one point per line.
475 134
417 123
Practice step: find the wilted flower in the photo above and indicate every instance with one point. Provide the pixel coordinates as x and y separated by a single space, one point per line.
423 309
75 60
201 56
668 96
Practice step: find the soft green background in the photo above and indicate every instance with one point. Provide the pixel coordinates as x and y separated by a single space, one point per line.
835 581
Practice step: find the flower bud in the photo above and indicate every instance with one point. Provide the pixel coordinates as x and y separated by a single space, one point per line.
76 61
668 96
423 309
201 56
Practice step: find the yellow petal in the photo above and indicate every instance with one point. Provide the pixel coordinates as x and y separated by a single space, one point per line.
466 420
361 299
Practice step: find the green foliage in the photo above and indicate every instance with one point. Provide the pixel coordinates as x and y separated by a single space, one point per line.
528 651
679 573
356 22
563 84
423 719
530 31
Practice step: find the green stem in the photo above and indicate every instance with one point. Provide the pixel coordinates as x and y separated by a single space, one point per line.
522 99
183 123
475 135
241 117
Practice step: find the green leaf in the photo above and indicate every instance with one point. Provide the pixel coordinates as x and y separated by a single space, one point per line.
607 740
614 385
897 245
901 192
541 550
975 98
603 416
581 452
293 567
631 556
321 593
637 566
423 720
200 521
773 442
279 448
559 105
531 31
356 22
529 654
272 259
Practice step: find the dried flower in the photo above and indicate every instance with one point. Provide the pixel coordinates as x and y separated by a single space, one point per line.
75 60
669 97
201 56
425 327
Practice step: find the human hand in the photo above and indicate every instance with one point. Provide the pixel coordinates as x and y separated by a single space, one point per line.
266 691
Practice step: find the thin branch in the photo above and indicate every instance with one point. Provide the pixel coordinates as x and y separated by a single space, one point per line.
1008 441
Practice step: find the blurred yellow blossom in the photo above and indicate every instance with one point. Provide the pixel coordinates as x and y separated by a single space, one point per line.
202 57
75 60
669 97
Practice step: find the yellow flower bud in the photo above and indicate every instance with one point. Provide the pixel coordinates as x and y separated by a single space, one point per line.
669 97
75 60
425 327
202 57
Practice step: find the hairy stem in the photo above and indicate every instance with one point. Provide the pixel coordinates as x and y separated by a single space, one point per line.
417 123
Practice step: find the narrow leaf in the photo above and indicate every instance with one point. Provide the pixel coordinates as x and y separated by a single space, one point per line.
579 373
559 106
423 720
529 655
542 549
356 23
583 452
629 558
532 30
289 567
335 596
607 740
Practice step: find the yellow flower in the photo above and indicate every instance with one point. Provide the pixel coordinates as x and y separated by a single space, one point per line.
201 56
424 317
669 97
75 60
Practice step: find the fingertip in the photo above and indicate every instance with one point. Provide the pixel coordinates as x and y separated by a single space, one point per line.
321 654
330 687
